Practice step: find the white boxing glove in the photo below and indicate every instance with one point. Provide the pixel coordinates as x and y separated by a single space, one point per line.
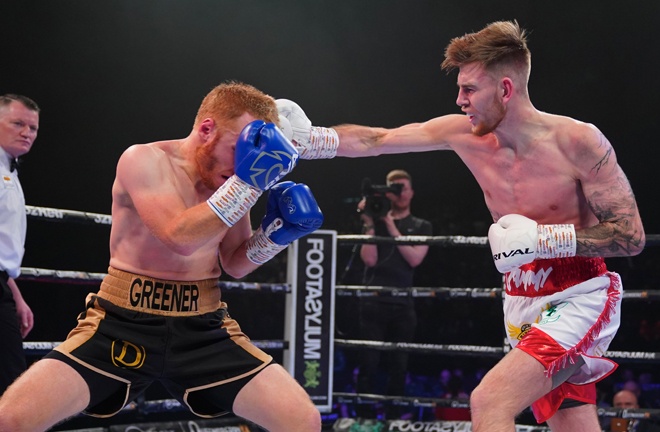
312 142
516 240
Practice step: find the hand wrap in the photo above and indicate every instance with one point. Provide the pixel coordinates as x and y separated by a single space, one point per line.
516 240
233 200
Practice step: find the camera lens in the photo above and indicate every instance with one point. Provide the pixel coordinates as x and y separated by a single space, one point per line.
377 206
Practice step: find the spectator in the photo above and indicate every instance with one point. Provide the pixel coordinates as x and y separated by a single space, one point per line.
626 399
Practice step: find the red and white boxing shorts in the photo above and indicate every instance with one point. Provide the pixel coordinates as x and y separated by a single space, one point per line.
558 310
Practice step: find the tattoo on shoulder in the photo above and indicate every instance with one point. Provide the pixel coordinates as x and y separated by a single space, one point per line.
606 157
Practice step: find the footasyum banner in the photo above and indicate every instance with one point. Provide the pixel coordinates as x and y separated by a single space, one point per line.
310 314
369 425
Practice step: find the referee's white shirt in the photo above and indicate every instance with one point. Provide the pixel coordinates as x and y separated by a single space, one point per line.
13 220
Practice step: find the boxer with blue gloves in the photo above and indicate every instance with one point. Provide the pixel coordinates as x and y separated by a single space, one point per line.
180 218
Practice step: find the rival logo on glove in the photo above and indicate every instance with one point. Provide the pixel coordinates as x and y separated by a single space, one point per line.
512 252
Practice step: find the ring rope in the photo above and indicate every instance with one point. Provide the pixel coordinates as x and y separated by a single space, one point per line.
637 414
416 292
415 240
651 240
407 401
62 215
470 350
422 348
42 348
453 292
74 276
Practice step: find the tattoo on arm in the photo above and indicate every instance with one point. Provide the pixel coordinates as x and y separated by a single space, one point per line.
619 232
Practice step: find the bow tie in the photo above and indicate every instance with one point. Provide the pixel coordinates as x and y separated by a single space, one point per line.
13 166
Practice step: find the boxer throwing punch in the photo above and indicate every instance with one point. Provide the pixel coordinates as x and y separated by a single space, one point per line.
180 213
560 203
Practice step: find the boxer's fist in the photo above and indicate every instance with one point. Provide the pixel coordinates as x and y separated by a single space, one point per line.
516 240
294 122
297 209
263 155
291 212
312 142
513 241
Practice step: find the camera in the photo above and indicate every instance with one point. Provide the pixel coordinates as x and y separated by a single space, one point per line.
377 204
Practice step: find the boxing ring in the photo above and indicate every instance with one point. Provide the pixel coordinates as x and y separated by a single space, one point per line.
309 341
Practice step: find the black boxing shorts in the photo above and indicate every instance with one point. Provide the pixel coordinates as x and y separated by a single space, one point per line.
137 330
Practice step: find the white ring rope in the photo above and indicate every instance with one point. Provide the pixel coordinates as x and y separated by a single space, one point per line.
477 350
54 214
41 348
75 276
423 348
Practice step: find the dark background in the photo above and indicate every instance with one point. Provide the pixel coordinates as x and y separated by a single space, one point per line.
115 73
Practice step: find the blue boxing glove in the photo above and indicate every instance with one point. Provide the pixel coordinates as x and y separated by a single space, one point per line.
291 212
262 157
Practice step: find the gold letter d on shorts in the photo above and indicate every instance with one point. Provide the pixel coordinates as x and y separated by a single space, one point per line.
127 355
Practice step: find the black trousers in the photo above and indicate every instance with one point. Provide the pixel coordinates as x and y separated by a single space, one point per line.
12 356
387 322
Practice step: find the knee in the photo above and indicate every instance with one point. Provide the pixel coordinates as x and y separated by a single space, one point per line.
306 419
489 404
312 419
481 399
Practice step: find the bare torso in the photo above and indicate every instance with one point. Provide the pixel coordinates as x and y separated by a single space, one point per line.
133 246
541 178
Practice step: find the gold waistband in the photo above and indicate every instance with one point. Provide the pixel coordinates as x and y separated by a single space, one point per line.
160 297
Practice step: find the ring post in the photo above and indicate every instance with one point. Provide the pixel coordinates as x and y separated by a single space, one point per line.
310 314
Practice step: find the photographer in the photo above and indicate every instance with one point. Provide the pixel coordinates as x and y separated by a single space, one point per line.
385 211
